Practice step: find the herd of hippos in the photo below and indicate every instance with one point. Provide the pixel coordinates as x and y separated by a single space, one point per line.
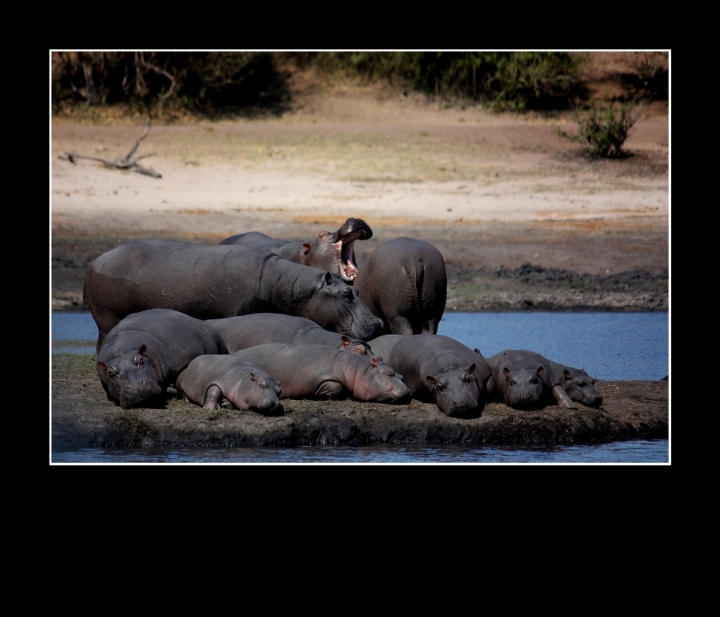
253 320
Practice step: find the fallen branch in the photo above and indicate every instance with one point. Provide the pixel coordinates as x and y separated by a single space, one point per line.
124 163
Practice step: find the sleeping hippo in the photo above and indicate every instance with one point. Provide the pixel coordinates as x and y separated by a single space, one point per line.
212 281
526 381
404 283
577 383
318 371
145 352
214 381
334 252
243 331
442 370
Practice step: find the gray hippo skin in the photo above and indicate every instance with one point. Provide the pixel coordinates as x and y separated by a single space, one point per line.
577 383
212 281
331 251
526 381
318 371
244 331
442 370
214 381
143 354
405 284
382 345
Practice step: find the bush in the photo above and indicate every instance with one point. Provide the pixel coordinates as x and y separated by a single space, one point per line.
503 80
604 133
197 81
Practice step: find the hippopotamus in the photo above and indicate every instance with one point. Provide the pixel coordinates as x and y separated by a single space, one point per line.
319 371
214 381
212 281
577 383
142 356
244 331
331 251
442 370
405 284
526 381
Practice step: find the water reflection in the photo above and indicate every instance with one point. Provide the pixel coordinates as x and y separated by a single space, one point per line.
654 451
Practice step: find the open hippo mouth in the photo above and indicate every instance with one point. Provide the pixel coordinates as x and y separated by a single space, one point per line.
353 229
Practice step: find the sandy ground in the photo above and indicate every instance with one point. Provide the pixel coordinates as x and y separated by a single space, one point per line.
452 166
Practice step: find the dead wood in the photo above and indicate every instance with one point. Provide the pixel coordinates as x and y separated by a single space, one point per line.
124 163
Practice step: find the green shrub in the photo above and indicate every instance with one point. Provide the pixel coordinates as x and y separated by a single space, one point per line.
604 133
503 80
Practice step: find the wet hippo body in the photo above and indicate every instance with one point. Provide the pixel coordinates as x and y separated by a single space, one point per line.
577 383
442 370
145 352
526 381
331 251
405 284
215 381
211 282
242 331
321 372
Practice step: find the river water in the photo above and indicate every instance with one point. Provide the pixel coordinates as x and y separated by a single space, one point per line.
609 346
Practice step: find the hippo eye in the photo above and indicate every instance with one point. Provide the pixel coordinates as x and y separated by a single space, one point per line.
389 373
441 386
512 381
112 372
533 379
347 293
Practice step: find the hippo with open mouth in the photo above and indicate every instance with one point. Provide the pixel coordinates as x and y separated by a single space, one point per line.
331 251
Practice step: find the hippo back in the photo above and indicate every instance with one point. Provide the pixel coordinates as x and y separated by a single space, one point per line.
242 331
404 283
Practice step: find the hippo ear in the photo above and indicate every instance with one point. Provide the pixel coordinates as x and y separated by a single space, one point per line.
142 349
566 374
101 365
540 370
477 351
345 341
506 372
471 368
306 247
374 361
253 376
430 379
328 278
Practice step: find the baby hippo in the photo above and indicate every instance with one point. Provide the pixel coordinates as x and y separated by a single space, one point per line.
318 371
526 381
442 370
144 354
578 384
215 381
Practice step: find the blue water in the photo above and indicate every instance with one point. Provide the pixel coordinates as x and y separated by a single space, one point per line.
610 346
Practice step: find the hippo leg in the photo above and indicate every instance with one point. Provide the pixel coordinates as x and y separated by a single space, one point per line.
330 389
213 398
401 325
562 397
